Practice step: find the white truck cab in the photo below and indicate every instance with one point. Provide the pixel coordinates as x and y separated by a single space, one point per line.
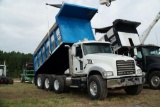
90 59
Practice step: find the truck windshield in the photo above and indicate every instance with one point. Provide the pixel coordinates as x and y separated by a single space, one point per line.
92 48
150 51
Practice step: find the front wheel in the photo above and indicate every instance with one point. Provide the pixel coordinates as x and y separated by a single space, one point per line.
32 80
134 90
97 87
154 80
22 79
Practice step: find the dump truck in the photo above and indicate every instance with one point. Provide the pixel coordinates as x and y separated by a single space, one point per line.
125 40
70 57
28 73
3 78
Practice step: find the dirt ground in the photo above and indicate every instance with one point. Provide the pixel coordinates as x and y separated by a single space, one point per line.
27 95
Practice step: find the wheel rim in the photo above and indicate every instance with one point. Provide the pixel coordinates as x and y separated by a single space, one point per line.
39 81
47 83
56 84
93 88
155 81
21 79
32 80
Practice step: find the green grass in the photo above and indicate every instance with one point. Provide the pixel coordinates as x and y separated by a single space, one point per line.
27 95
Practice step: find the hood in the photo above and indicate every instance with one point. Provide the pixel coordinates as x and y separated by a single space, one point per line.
109 56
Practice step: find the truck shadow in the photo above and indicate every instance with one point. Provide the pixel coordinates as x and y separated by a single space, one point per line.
83 94
146 87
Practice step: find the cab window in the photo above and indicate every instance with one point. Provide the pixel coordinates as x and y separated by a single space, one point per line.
78 52
139 54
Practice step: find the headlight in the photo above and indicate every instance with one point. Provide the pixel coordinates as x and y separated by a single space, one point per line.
107 73
144 74
139 71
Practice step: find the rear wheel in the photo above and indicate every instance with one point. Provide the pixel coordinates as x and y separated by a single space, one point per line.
154 80
97 87
40 81
48 82
134 90
10 80
58 84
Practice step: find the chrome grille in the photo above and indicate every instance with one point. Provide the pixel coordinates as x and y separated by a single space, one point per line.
125 67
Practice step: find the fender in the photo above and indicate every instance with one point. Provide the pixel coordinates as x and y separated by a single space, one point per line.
100 68
152 66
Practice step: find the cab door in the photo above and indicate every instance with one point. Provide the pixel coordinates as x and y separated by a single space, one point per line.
140 59
78 60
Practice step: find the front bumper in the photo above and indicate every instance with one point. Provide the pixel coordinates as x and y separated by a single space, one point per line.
122 82
28 79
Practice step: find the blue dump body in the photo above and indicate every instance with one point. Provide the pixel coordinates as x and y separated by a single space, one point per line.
72 24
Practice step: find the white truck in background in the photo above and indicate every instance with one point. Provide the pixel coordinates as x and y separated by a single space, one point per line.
3 78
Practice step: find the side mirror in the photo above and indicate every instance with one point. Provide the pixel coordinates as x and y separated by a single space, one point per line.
73 51
135 52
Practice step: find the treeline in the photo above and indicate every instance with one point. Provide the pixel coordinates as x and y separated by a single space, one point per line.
14 62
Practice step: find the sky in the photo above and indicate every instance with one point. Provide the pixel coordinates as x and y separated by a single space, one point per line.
24 23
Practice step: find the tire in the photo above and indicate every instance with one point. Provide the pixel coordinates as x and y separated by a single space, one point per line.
48 83
134 90
40 81
97 87
58 84
22 79
6 80
66 88
154 80
10 80
32 80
